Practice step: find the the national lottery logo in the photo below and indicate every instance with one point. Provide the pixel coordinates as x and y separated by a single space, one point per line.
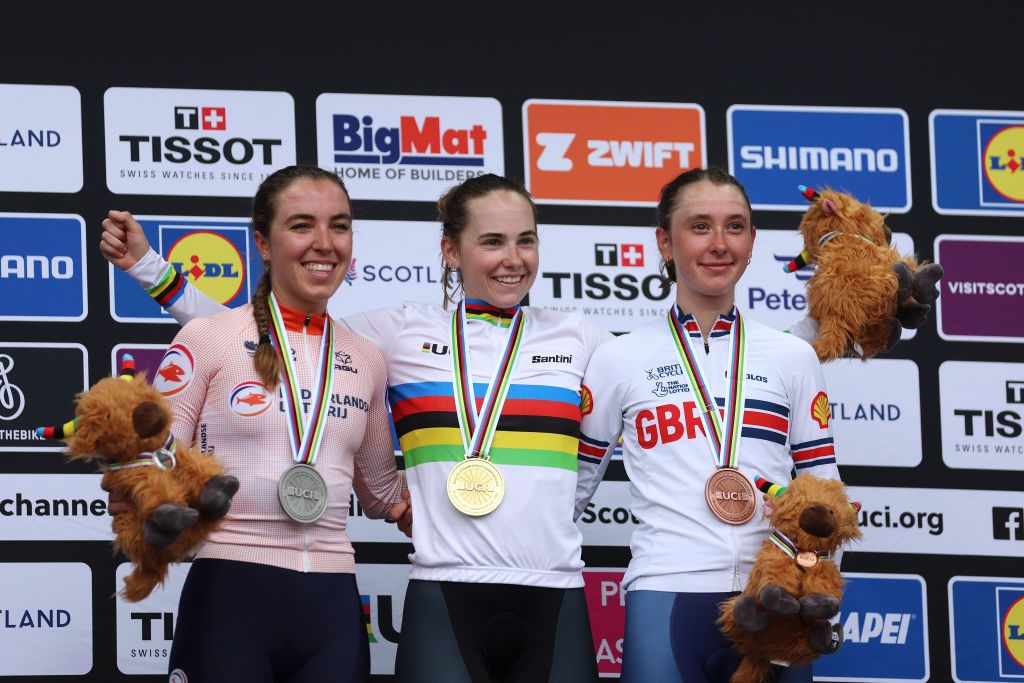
249 399
175 371
408 147
210 262
627 255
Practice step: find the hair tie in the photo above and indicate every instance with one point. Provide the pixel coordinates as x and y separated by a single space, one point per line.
264 339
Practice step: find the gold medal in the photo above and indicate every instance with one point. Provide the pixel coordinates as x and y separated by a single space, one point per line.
730 496
807 559
475 487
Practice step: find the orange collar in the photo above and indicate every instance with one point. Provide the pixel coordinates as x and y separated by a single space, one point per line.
295 321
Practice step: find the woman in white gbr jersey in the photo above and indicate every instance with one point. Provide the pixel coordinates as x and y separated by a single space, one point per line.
746 401
272 595
485 398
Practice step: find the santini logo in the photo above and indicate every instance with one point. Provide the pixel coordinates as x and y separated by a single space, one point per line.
561 358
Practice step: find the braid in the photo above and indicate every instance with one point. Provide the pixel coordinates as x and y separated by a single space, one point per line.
265 360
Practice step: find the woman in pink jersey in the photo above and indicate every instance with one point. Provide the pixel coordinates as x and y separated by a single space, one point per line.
271 596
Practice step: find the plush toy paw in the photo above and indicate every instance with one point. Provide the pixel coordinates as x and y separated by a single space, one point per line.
215 498
904 281
748 617
926 283
912 314
166 524
825 638
814 606
777 601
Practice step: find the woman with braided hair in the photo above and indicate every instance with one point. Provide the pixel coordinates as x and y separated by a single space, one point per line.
283 551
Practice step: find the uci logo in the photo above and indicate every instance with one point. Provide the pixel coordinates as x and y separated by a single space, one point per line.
1002 161
211 263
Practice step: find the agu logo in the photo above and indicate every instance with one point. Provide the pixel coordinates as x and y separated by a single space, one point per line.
615 153
249 399
210 262
175 371
1002 162
821 410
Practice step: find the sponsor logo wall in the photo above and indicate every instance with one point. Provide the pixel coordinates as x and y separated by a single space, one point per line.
40 138
986 628
982 408
404 147
382 589
145 629
608 153
210 143
26 402
862 150
42 267
54 507
982 295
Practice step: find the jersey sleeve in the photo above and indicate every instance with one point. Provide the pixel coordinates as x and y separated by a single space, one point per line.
601 399
810 425
184 378
377 482
169 289
380 326
806 328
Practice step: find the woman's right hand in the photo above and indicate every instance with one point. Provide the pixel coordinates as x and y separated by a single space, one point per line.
123 241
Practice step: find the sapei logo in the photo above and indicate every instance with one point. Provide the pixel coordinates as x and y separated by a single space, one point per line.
977 162
196 142
982 414
42 273
40 138
408 147
864 150
614 153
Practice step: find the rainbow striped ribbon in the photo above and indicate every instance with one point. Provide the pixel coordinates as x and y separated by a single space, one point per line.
305 436
478 428
724 441
783 543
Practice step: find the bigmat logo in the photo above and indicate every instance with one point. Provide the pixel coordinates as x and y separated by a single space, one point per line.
145 629
215 255
594 271
46 616
40 138
38 383
383 592
54 507
982 415
412 148
977 162
863 150
608 153
885 630
211 143
982 295
986 625
775 297
42 267
873 426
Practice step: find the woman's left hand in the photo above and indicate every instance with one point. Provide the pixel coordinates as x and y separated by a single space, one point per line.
401 513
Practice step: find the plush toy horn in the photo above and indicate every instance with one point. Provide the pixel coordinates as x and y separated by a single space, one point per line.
766 487
796 264
809 193
68 428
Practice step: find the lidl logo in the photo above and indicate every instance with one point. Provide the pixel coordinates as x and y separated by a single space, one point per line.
987 628
863 150
215 255
608 153
977 162
1011 608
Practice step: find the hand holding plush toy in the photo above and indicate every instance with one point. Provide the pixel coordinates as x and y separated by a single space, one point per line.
794 587
863 292
178 496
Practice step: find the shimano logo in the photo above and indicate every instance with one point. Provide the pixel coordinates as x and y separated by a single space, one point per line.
16 266
794 158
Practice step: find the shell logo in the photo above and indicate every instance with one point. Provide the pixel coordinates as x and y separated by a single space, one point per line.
586 401
821 411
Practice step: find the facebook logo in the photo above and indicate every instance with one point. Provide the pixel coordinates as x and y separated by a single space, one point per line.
1008 524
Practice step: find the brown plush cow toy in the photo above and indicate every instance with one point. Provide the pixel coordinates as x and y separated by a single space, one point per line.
178 495
794 587
863 292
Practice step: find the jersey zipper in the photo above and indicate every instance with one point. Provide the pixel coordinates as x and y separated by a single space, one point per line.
312 373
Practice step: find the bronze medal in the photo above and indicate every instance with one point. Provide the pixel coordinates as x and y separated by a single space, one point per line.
730 495
475 487
807 559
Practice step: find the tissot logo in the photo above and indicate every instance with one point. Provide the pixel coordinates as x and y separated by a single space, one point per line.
1008 524
616 254
206 118
177 149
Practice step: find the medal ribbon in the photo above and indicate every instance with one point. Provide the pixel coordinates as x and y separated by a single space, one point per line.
147 459
783 543
724 441
305 436
478 429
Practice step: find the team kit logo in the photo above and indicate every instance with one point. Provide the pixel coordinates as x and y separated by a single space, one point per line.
42 267
411 148
218 143
982 415
249 399
40 138
605 273
977 162
215 255
608 153
982 292
987 628
864 150
175 371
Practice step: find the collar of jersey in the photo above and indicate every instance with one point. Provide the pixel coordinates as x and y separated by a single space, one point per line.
478 309
721 328
295 321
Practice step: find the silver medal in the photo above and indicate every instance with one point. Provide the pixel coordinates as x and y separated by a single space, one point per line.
303 493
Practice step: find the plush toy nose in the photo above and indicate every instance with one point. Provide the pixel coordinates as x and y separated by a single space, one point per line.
148 419
818 520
